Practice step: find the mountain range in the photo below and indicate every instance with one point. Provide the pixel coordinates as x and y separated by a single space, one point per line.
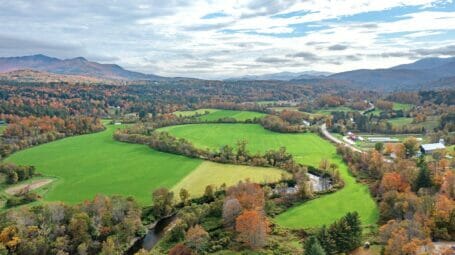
74 66
416 75
282 76
434 72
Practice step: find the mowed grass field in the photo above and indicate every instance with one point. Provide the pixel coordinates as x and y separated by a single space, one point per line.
2 127
210 173
84 166
216 114
307 149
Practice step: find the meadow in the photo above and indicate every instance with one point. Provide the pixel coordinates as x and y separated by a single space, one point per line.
2 127
210 173
328 110
307 148
91 164
86 165
216 114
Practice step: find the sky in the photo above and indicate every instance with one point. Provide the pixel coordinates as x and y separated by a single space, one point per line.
227 38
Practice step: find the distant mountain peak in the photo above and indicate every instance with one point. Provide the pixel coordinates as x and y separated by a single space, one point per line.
79 59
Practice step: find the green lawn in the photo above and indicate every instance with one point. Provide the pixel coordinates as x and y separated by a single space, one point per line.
216 114
210 173
2 127
90 164
308 149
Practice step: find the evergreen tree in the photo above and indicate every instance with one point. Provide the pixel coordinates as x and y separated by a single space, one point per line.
326 240
355 229
313 247
423 179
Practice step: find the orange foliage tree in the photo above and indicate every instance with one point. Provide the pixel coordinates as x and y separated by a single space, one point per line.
251 226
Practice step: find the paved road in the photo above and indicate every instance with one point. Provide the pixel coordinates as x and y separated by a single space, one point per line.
332 138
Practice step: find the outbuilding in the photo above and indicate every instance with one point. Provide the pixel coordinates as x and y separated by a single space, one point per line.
431 147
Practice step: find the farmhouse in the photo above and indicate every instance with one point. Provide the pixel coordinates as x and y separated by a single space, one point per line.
431 147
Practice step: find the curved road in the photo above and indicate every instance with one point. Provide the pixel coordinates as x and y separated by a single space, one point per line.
332 138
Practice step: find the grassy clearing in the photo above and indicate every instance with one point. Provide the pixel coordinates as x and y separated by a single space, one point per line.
238 115
2 127
431 123
282 108
91 164
328 110
216 114
210 173
308 149
398 122
403 107
192 113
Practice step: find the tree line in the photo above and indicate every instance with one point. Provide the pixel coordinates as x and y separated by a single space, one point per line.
24 132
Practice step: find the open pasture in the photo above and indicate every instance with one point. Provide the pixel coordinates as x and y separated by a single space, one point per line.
307 149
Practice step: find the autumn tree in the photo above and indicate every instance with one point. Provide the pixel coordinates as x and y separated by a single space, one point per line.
163 201
180 249
393 181
250 195
184 195
197 238
411 146
251 227
231 210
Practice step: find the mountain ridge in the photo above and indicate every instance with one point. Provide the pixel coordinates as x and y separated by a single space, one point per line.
72 66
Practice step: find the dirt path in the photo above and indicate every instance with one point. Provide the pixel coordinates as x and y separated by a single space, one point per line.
30 186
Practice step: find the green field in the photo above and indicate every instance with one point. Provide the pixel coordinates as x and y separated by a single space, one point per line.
282 108
194 112
308 149
210 173
216 114
96 164
91 164
328 110
2 127
403 107
400 121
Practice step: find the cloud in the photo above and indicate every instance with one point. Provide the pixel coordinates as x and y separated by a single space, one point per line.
337 47
212 39
308 56
272 60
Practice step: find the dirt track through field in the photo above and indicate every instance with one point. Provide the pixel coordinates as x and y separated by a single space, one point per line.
31 186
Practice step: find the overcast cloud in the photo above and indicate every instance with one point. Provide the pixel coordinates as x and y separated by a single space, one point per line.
217 39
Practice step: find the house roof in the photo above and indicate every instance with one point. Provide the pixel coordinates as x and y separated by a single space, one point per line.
433 146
